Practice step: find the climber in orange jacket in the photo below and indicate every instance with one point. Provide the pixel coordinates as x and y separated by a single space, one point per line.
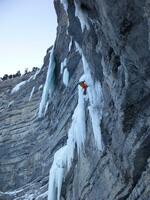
84 86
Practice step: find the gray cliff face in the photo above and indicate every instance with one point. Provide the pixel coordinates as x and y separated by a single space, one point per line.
117 48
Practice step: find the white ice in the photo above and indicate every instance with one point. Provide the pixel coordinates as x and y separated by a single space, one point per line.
49 85
64 156
31 94
66 77
82 17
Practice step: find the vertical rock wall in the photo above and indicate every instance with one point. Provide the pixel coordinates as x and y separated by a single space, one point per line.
116 45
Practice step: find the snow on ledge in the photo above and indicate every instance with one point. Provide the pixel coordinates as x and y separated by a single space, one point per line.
18 86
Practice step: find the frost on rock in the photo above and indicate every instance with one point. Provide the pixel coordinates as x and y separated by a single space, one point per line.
82 17
63 64
66 77
49 85
95 98
31 94
18 86
64 156
65 4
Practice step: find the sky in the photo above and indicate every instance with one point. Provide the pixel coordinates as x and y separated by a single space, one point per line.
27 29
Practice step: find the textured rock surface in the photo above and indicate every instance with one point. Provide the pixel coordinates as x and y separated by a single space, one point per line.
117 48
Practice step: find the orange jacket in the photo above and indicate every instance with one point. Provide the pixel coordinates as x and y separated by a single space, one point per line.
83 85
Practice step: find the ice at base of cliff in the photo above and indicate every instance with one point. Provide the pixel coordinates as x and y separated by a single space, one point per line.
64 156
66 77
49 85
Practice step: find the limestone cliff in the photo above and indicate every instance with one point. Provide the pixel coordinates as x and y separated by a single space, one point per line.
113 39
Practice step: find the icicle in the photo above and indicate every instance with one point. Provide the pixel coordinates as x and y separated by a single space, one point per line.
49 84
56 174
96 100
63 157
66 77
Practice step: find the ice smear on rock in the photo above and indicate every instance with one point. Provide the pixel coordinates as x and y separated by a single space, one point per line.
66 77
70 45
82 17
65 4
64 156
31 94
49 85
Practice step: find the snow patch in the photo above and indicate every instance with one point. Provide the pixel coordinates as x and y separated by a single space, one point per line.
49 85
82 17
66 77
31 94
40 87
18 86
64 156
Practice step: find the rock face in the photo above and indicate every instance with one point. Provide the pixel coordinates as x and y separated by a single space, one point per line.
114 37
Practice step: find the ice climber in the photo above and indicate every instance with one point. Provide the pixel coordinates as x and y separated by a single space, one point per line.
84 86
